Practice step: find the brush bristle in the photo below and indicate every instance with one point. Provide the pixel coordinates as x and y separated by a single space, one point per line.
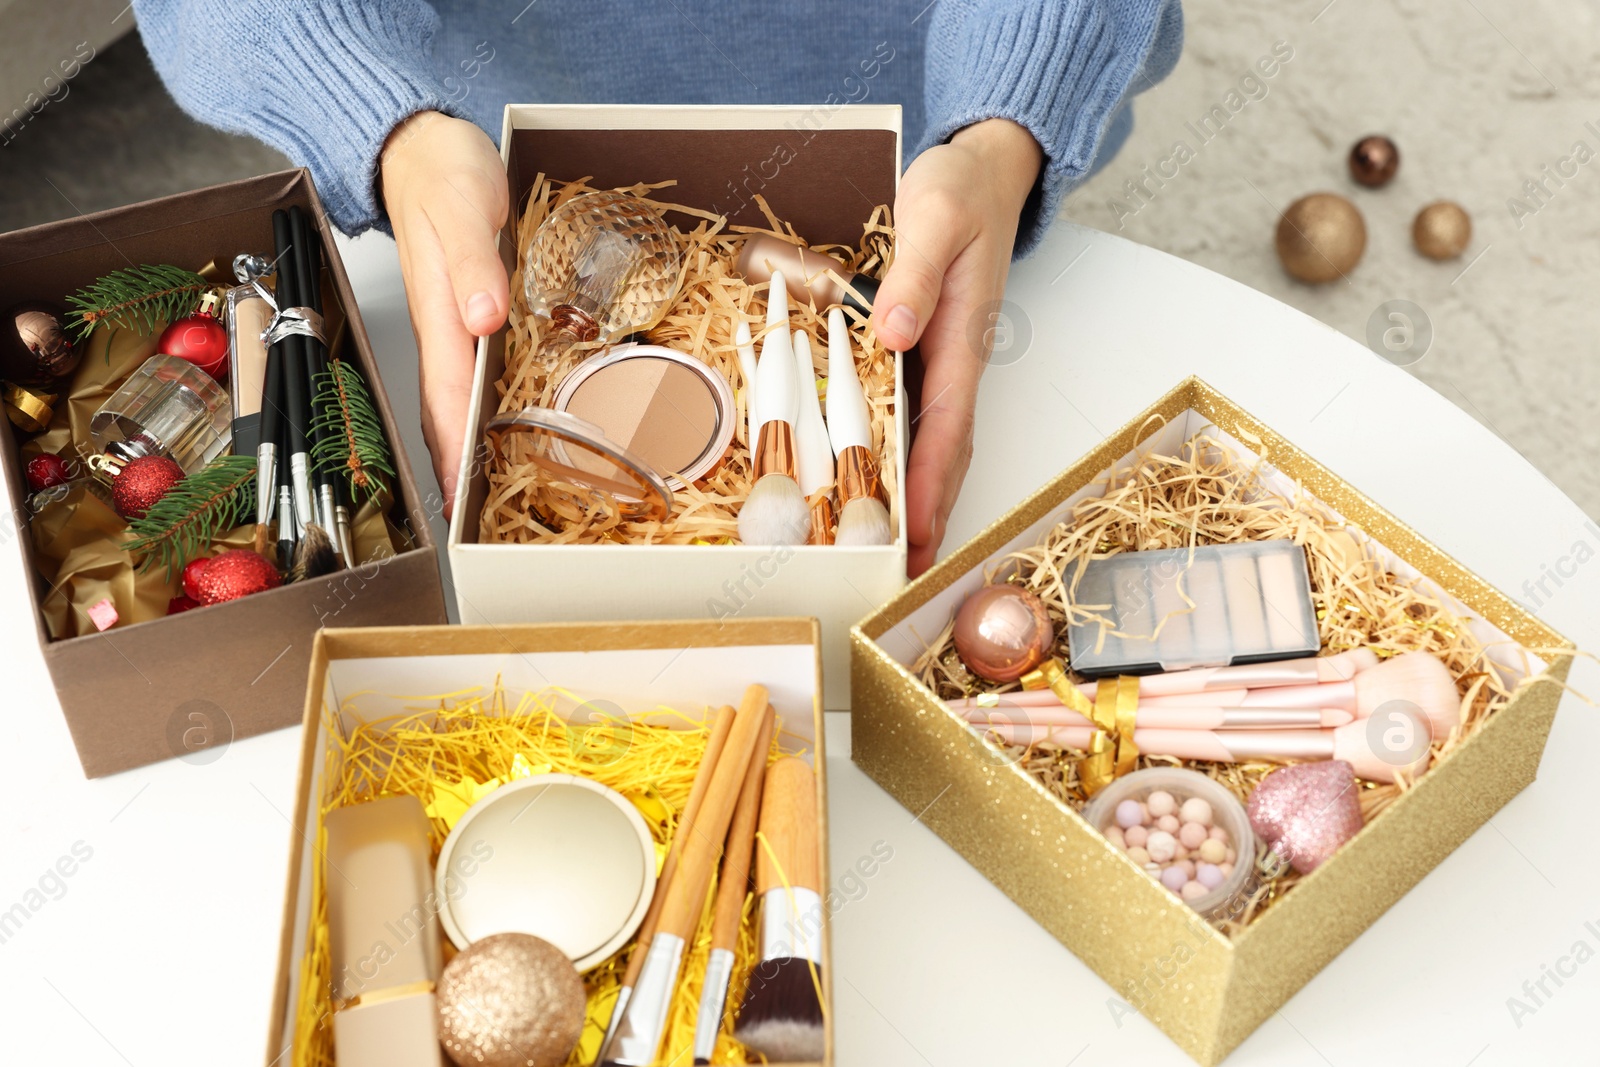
864 521
1418 678
782 1017
314 555
775 513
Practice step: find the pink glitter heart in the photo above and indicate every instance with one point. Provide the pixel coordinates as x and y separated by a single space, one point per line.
1306 811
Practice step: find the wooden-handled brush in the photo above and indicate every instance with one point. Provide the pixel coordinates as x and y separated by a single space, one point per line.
729 907
782 1013
637 1036
716 740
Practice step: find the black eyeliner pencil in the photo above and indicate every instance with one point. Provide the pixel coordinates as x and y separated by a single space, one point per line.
296 389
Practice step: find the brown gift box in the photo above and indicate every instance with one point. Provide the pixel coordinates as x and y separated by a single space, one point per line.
144 692
373 673
1205 991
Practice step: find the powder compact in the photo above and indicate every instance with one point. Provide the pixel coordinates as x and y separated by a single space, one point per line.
635 423
556 856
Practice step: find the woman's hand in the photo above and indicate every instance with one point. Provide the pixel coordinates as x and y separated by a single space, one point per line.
445 189
955 223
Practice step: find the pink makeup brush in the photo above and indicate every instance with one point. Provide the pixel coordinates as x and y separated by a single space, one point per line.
1226 686
1417 678
1351 743
1043 720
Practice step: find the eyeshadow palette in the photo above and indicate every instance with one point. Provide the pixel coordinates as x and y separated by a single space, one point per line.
1169 609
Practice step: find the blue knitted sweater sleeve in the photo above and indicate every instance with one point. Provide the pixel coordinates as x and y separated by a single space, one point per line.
324 83
1064 69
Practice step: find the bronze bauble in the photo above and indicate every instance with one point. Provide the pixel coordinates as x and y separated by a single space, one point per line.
510 1000
1374 161
1321 238
1442 230
1002 632
36 349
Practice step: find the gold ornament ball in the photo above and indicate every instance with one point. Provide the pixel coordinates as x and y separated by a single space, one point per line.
510 1000
1321 238
1442 230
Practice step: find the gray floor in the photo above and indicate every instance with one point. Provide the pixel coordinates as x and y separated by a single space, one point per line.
1479 94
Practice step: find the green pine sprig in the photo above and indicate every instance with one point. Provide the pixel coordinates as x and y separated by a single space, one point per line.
137 298
349 431
180 525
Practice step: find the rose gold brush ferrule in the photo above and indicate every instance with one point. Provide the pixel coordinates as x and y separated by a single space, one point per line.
774 450
823 519
858 475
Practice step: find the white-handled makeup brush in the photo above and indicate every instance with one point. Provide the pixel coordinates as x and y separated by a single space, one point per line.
1351 743
747 367
776 512
815 460
863 518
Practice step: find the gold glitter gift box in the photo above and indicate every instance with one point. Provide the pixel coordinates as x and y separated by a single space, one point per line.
373 675
1205 990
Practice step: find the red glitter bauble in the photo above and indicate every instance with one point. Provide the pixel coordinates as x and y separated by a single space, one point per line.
191 577
201 339
236 573
143 482
181 603
47 470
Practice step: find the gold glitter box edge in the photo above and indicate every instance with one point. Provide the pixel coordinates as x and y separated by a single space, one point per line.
1119 922
395 653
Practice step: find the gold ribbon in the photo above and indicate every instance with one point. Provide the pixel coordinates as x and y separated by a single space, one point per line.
1112 752
29 411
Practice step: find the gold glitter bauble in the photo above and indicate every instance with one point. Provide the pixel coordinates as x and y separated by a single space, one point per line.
1442 230
1321 237
510 1000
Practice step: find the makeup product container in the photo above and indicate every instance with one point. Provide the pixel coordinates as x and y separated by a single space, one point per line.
1251 602
373 675
836 168
1048 858
168 407
1226 811
248 315
557 856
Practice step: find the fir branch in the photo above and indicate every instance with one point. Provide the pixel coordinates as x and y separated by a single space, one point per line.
353 442
127 298
180 525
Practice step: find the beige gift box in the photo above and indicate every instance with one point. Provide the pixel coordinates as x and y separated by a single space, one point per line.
370 674
841 163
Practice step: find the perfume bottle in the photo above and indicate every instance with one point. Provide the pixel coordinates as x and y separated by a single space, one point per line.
168 407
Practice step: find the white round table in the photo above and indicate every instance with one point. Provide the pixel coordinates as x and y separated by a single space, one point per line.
160 946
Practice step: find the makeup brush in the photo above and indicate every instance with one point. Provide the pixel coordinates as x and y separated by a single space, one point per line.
1350 742
716 741
1419 679
863 518
1166 718
814 461
776 512
296 388
747 368
782 1013
637 1037
1225 686
728 909
332 489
